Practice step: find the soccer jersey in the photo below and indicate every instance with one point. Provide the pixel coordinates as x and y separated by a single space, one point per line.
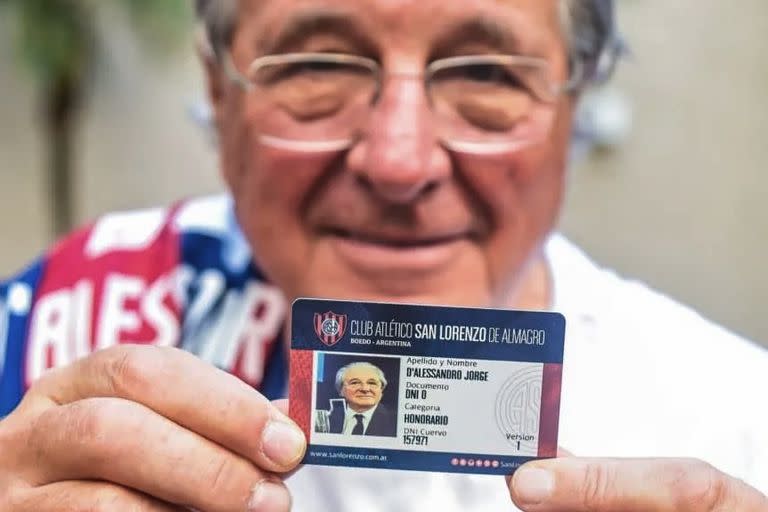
180 276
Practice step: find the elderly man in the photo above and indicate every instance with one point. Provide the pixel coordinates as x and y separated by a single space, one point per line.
362 385
389 150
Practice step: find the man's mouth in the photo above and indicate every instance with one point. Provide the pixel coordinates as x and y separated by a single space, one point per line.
394 255
395 241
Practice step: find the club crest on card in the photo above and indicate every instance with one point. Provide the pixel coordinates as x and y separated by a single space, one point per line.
330 327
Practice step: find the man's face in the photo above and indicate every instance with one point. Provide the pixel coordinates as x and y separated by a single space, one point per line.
362 388
397 216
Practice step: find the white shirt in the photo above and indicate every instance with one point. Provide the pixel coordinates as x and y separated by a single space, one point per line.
643 376
350 421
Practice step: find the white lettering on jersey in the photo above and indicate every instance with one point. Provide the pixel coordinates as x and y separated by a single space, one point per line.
61 325
50 331
259 330
17 303
114 317
158 315
239 327
182 279
82 298
211 285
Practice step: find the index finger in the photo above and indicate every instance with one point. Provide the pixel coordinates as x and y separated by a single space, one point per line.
191 393
630 485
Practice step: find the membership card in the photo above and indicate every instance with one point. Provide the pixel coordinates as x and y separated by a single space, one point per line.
425 388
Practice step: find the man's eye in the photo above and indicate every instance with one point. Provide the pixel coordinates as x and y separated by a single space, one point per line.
302 69
490 73
316 66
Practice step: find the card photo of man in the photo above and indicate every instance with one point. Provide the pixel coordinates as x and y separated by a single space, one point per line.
367 405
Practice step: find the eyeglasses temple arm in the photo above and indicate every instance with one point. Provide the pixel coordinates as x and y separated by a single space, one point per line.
233 74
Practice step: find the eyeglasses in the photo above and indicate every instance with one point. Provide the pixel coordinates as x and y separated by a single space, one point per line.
479 103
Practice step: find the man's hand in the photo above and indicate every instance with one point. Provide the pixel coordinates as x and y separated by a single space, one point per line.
136 428
630 485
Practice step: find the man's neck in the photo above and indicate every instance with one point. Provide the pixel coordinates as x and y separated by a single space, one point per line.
358 410
535 289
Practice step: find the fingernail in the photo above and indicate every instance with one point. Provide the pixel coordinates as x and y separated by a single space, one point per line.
283 443
269 496
533 485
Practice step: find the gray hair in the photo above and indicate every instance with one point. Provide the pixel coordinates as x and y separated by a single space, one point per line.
589 25
359 364
594 44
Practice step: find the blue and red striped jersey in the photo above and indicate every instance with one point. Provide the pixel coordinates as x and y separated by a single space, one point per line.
180 276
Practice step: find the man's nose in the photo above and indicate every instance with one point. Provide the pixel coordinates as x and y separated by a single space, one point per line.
399 157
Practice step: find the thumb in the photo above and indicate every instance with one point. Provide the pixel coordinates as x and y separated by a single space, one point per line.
561 452
281 405
630 485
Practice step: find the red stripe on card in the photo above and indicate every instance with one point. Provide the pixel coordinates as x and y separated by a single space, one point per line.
550 409
300 405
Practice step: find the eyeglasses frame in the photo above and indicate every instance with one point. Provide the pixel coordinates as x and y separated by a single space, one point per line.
573 84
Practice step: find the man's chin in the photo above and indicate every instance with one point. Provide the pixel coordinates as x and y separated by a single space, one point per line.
461 280
402 292
362 407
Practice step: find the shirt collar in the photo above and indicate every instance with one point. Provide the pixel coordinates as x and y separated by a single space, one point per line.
366 414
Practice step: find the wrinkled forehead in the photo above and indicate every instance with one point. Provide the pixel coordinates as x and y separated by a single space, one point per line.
362 373
521 26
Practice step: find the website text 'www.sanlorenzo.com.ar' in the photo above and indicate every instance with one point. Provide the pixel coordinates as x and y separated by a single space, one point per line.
351 456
